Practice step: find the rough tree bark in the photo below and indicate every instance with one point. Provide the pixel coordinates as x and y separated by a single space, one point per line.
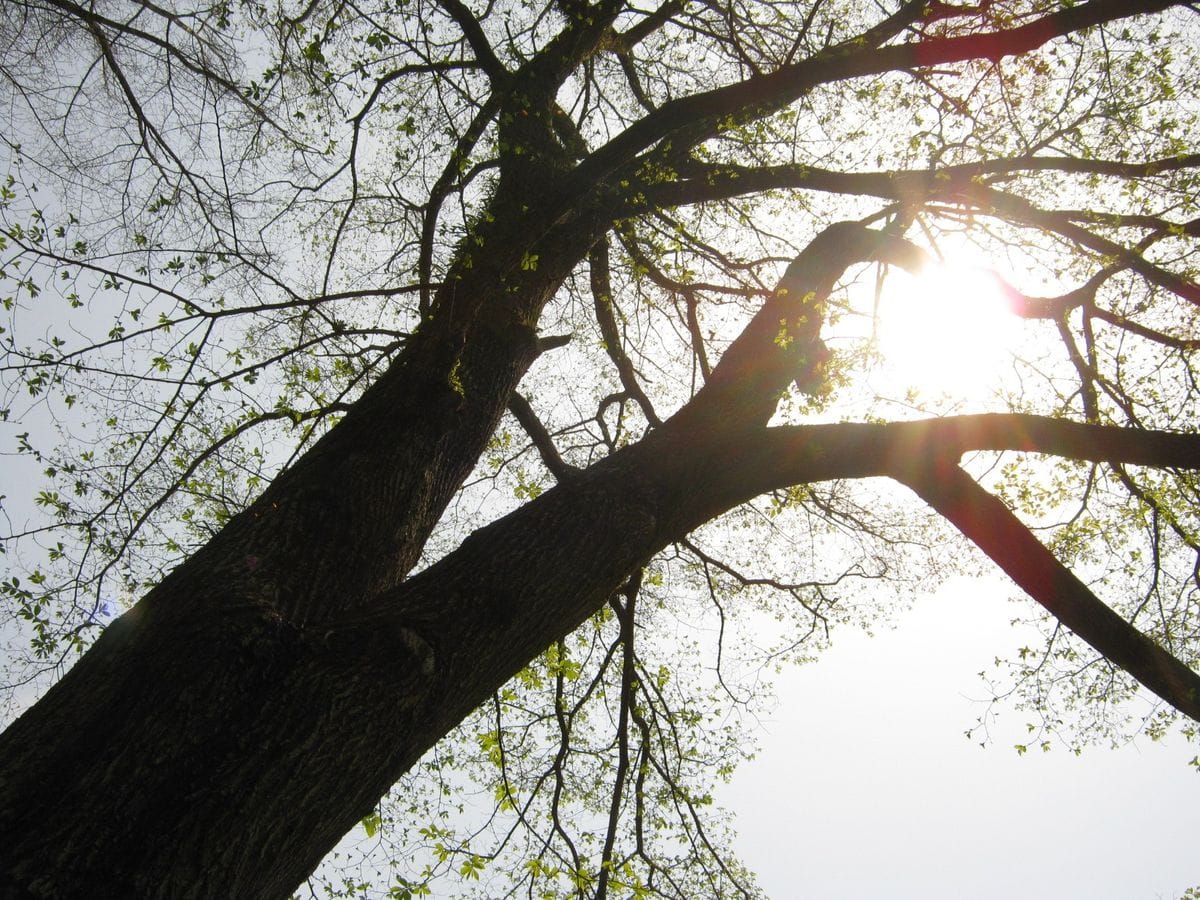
219 738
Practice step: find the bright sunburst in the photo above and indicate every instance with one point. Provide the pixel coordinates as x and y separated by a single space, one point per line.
948 330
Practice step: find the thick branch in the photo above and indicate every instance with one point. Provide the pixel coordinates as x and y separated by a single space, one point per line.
535 574
798 454
993 527
524 414
761 95
953 184
782 343
473 32
701 182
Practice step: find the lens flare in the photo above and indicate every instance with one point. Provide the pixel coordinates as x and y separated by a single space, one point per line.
949 330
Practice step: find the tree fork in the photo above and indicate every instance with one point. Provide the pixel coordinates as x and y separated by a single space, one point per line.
218 742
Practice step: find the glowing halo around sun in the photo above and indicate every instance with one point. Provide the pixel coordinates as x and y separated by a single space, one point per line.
947 330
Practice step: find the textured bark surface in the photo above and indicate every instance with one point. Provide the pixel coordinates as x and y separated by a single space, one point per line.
180 756
221 737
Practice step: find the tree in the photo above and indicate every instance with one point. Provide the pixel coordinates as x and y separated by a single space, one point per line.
309 256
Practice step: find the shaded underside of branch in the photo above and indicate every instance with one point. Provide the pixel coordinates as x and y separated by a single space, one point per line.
993 527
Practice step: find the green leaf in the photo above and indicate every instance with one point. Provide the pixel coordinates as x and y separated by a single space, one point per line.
372 823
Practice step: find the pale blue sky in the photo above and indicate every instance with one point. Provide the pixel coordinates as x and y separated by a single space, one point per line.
867 788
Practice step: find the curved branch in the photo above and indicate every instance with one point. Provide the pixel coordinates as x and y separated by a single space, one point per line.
473 32
602 297
701 114
702 182
1016 209
537 432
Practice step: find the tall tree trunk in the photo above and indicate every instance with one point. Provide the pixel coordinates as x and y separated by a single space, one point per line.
219 739
192 754
177 757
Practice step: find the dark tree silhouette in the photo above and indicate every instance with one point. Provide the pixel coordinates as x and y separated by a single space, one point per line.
392 344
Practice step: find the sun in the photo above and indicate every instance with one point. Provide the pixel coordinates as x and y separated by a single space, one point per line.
949 330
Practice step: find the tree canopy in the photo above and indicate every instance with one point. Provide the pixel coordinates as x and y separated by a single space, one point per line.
469 404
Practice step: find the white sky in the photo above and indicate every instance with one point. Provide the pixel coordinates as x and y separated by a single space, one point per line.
867 788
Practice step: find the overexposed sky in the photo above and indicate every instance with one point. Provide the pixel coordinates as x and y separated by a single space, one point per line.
867 788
